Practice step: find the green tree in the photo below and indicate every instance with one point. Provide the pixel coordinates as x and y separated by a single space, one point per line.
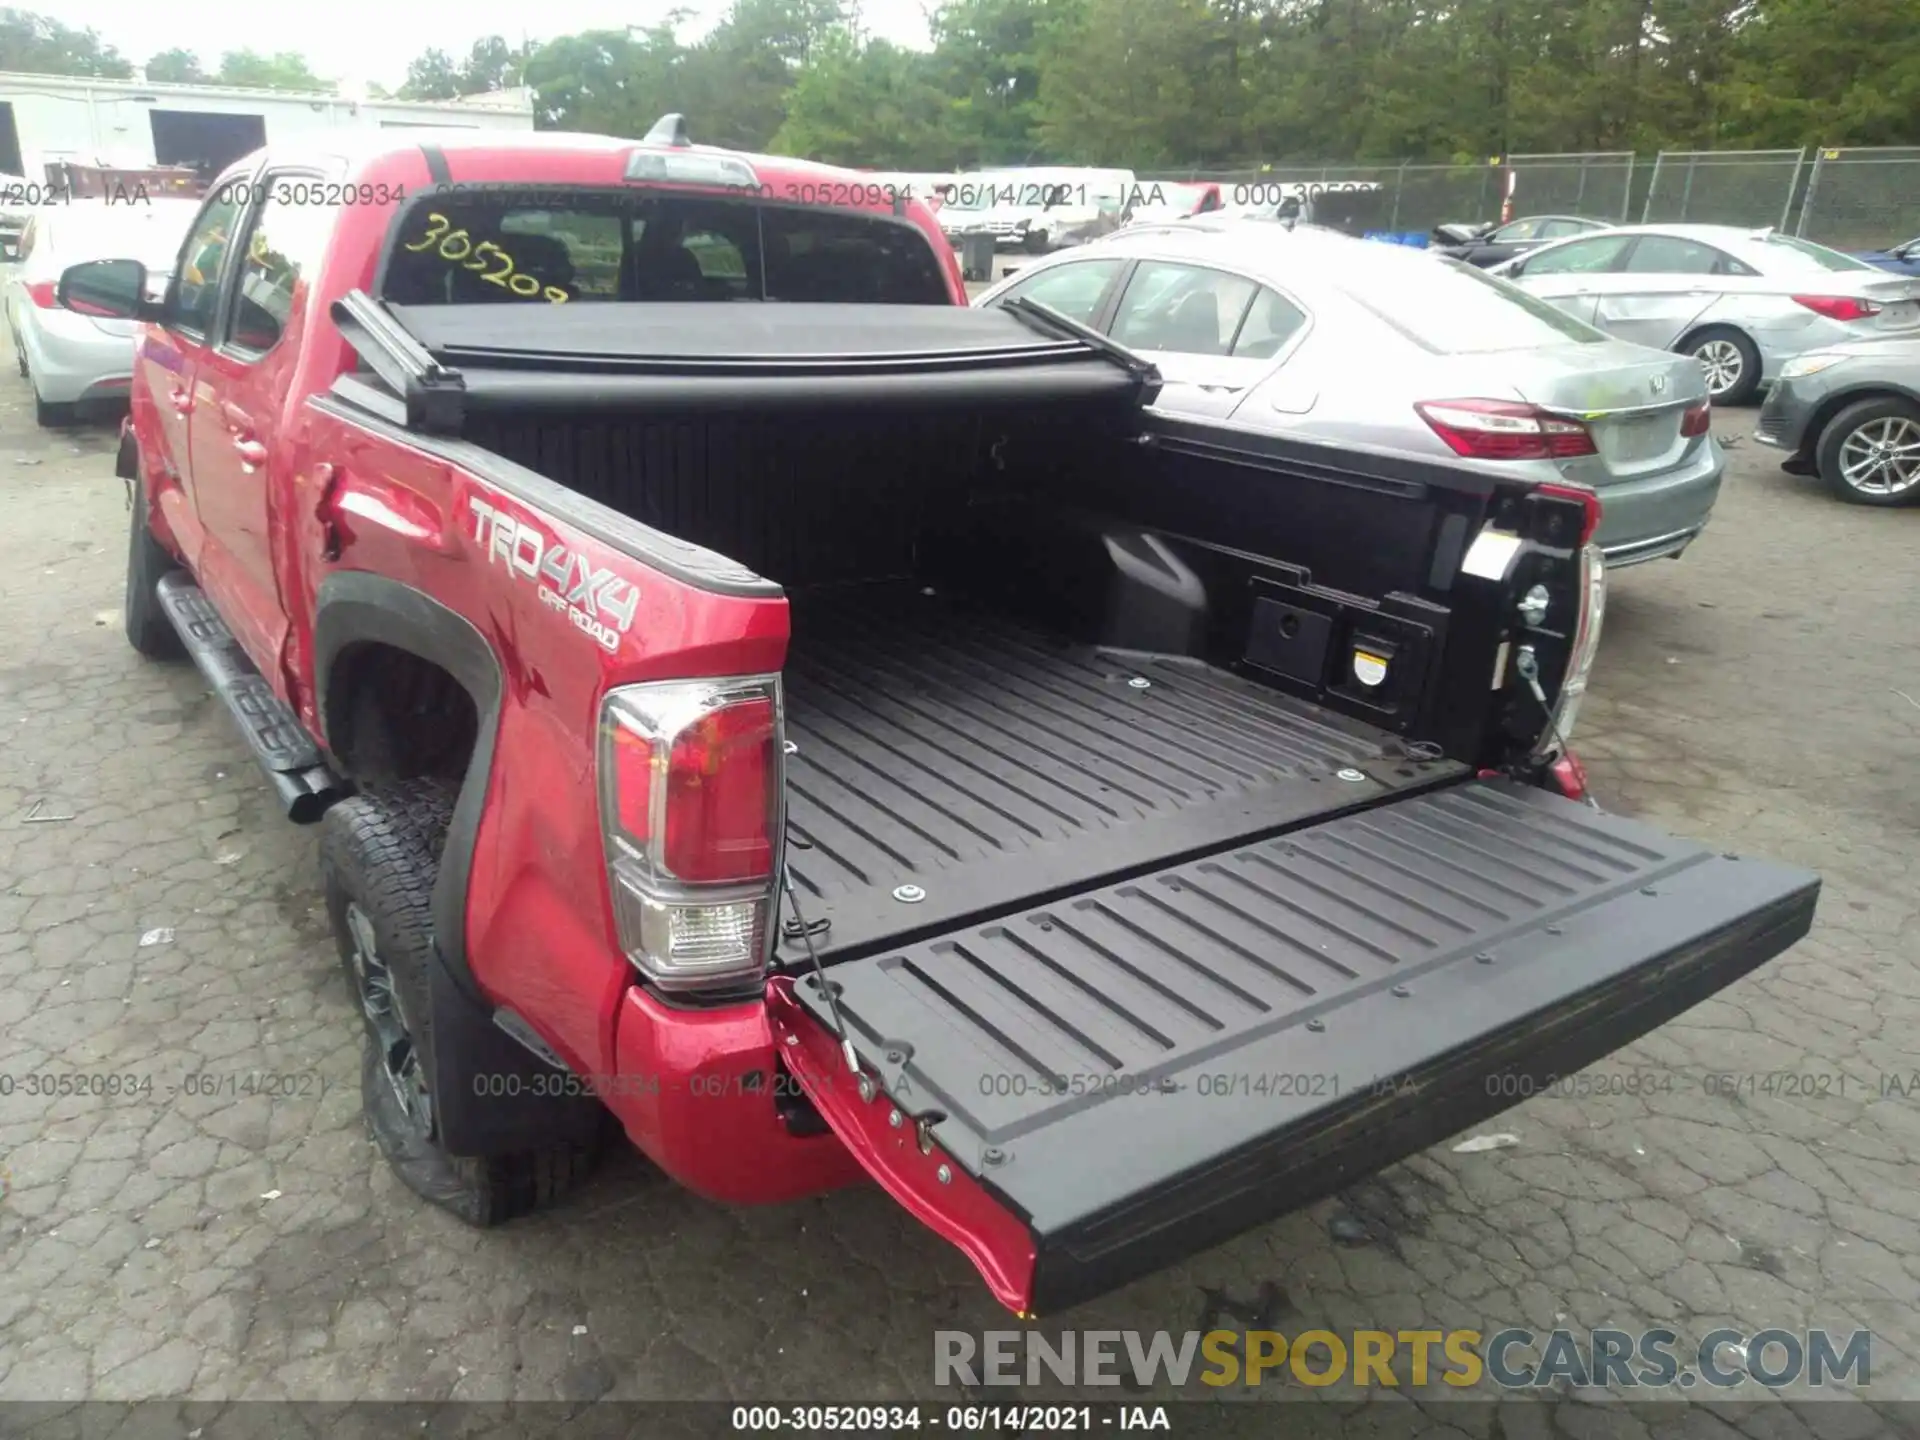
735 82
1164 84
285 70
492 64
178 67
431 76
38 45
1123 80
870 106
606 81
1800 73
985 61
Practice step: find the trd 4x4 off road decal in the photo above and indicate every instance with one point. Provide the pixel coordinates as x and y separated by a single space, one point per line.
595 600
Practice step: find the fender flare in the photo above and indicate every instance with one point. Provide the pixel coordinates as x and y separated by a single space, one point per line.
356 606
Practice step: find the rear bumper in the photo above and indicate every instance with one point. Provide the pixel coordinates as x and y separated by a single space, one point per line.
701 1094
72 361
1661 515
1654 547
1785 339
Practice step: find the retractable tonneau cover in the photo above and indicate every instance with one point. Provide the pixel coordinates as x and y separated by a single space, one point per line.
1089 1090
443 361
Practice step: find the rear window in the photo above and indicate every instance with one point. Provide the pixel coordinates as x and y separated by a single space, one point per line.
1787 255
1455 309
610 246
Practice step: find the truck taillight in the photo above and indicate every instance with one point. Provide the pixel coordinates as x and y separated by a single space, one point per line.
1505 430
1562 609
691 810
1586 645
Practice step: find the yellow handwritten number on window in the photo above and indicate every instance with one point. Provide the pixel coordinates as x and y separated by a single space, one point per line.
482 259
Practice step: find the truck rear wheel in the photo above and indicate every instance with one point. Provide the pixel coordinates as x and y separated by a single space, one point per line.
379 854
149 630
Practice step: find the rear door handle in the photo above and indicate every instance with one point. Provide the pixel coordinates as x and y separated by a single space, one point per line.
251 452
181 400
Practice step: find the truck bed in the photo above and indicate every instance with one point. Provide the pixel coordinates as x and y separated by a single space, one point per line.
992 765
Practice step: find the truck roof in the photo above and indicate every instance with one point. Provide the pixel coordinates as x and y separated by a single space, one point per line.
367 151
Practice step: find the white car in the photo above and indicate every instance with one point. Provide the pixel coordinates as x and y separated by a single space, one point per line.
928 186
1744 302
18 203
1039 208
80 362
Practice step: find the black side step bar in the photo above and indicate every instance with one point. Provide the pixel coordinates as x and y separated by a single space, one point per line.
281 744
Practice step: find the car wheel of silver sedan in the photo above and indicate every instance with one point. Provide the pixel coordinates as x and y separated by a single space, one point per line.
1870 453
1732 364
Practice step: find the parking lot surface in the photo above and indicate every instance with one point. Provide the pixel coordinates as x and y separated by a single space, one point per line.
222 1233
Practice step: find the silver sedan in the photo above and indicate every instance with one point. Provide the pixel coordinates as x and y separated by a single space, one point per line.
76 363
1744 301
1350 342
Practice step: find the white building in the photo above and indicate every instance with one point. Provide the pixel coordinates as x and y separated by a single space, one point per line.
139 122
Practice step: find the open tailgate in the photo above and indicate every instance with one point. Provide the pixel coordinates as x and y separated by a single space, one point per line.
1090 1090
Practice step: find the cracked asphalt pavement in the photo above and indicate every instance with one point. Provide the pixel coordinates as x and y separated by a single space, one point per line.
218 1234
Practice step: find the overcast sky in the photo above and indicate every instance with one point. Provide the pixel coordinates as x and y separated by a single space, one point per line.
355 41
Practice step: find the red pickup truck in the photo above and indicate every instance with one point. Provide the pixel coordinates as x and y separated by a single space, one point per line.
837 732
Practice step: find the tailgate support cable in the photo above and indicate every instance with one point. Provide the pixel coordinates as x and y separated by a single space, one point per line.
1527 665
827 988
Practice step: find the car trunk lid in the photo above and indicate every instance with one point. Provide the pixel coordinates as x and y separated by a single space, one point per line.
1090 1090
1633 400
1898 297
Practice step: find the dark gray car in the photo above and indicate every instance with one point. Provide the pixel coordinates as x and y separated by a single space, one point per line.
1497 244
1851 415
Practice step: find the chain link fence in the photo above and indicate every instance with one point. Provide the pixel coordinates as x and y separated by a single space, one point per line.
1418 197
1862 199
1724 187
1597 186
1851 199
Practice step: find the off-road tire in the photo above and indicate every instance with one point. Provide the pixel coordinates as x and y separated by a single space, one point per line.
149 630
380 851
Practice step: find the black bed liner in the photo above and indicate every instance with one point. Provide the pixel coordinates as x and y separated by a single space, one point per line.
1140 1071
991 765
